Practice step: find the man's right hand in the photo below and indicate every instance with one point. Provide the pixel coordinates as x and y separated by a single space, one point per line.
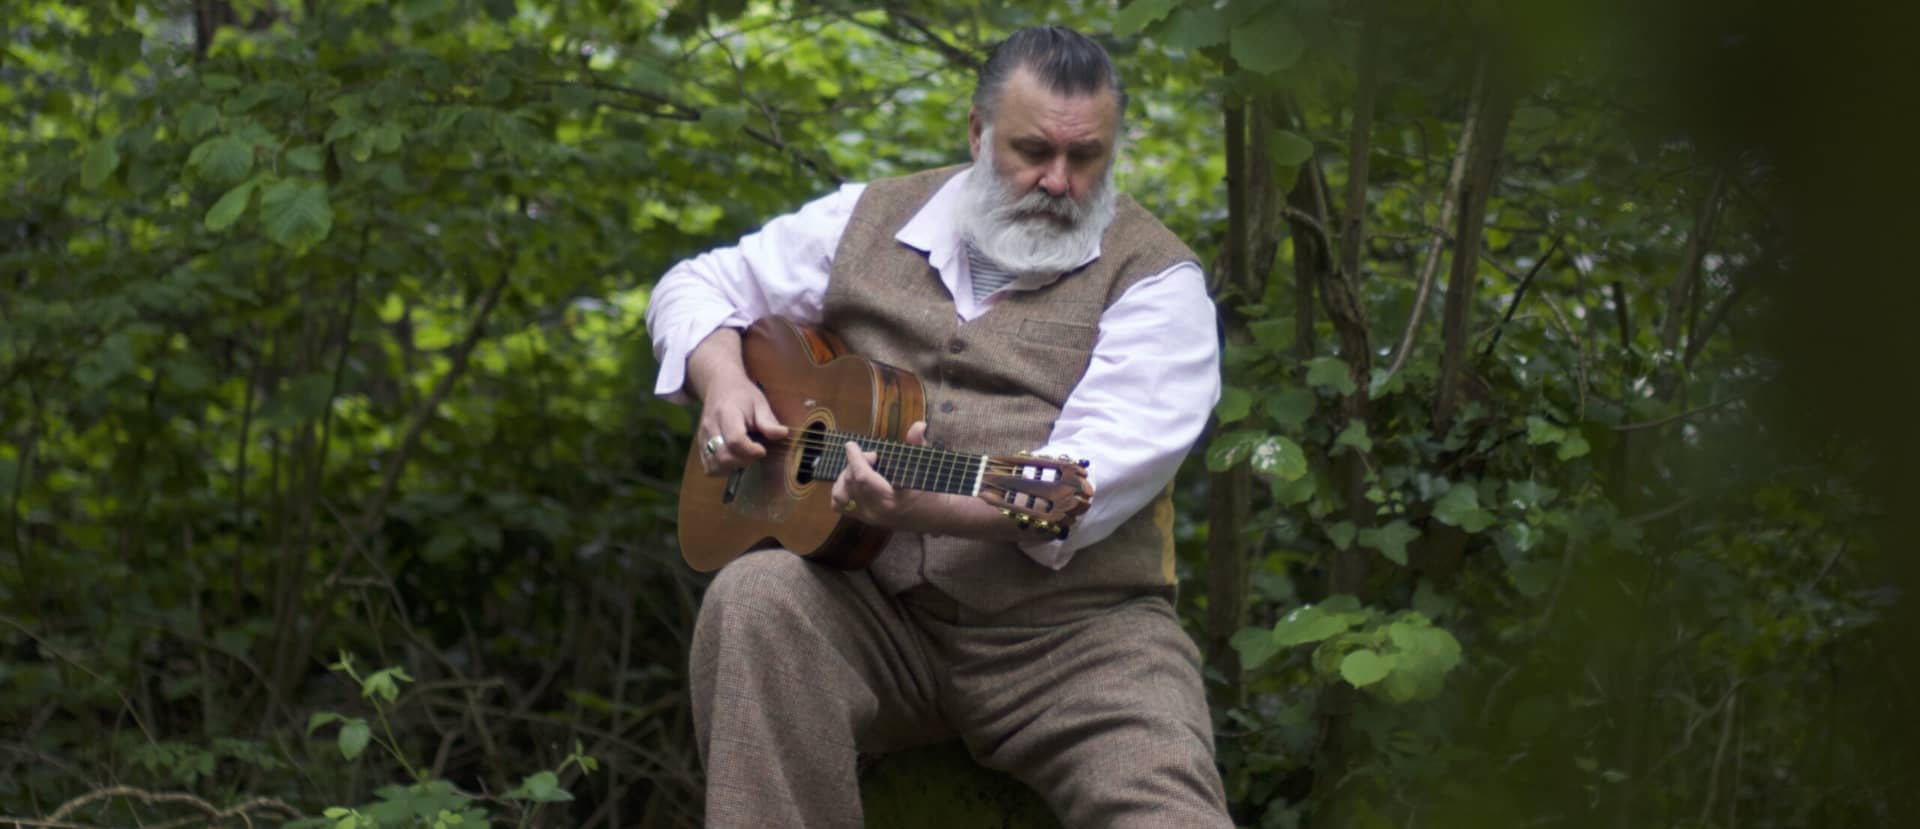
732 409
736 412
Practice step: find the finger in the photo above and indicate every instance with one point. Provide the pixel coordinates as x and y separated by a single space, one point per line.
741 447
840 492
766 422
917 433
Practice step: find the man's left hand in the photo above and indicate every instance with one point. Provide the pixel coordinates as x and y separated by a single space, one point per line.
862 493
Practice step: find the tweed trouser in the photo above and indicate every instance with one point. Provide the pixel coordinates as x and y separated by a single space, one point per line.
797 668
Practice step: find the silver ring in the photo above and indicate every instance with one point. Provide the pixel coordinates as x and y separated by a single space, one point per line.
714 443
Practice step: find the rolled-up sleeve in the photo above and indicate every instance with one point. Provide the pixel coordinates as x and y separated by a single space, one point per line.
781 268
1152 383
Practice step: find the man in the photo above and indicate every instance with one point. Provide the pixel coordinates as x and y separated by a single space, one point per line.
1042 312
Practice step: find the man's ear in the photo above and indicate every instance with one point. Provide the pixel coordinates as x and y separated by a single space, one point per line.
975 127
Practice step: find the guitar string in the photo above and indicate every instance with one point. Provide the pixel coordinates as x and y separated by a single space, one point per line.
928 466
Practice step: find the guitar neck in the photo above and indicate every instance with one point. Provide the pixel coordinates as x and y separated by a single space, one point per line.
904 465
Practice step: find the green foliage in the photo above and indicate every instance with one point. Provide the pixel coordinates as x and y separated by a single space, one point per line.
320 332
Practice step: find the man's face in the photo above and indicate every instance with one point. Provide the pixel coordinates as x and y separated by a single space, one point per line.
1045 141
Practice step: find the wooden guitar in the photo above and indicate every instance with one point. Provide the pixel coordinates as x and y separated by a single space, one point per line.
827 396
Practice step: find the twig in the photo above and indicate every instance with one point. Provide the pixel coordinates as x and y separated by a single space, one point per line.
1654 424
62 656
1519 294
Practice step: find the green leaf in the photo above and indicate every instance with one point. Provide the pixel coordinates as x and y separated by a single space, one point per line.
354 737
308 157
1288 148
223 159
1573 447
1460 507
1365 667
1255 646
1138 15
724 120
1342 534
321 718
1541 431
102 159
1272 334
1278 458
1235 403
1391 540
1196 27
1330 373
219 82
198 120
1233 447
1269 44
295 213
500 10
227 210
1314 623
1290 407
1355 436
540 787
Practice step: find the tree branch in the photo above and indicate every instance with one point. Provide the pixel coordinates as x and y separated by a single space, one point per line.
1518 295
1449 202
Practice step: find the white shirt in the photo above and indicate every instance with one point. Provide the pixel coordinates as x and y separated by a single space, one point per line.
1153 378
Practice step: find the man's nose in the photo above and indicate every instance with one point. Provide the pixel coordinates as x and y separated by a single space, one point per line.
1054 178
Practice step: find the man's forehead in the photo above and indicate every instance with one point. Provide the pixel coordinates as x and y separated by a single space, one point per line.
1029 109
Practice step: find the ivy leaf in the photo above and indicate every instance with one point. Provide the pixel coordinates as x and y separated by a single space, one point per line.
295 213
1365 667
1355 436
102 159
1288 148
1310 623
1573 447
1278 458
1138 15
1330 373
1342 534
227 210
1255 646
1235 403
1268 44
1541 431
1290 407
1231 448
1460 507
354 737
1391 540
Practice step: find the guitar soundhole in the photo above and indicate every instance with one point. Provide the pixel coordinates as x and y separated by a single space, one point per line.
811 443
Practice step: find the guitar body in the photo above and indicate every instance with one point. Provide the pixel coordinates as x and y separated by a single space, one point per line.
814 383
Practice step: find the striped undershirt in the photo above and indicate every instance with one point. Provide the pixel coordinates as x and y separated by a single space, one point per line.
988 276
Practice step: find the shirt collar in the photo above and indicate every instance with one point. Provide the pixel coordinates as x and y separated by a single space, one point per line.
935 230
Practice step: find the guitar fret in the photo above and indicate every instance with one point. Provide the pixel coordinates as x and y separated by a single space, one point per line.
905 465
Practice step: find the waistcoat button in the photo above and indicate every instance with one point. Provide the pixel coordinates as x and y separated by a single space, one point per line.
957 346
948 407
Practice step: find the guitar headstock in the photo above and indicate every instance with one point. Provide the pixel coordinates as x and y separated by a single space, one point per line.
1039 493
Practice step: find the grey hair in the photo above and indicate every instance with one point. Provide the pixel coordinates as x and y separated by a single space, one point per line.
1068 62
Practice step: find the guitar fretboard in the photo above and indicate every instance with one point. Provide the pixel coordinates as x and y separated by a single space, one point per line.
902 464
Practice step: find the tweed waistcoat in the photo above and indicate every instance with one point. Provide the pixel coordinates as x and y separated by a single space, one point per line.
995 385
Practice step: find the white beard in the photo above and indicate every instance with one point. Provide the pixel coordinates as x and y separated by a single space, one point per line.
1024 234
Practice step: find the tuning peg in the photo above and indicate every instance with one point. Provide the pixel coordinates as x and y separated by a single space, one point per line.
1024 521
1007 512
